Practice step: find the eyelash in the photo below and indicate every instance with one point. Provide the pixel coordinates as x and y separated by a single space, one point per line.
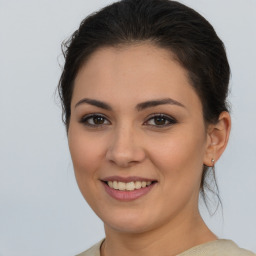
85 120
166 118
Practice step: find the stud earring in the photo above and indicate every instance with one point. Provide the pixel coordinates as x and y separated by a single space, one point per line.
213 161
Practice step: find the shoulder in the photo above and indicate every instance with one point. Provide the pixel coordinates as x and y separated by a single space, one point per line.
218 247
221 247
93 251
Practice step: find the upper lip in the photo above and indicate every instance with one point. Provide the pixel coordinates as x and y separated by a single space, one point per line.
126 179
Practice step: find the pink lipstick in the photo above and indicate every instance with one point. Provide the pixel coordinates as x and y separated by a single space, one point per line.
127 188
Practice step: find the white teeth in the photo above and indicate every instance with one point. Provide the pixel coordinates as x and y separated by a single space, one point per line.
137 184
121 186
115 186
130 186
110 183
143 184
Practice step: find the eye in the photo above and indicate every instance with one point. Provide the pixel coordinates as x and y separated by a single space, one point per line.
94 120
160 120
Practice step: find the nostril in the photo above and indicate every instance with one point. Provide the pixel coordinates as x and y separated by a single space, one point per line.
125 157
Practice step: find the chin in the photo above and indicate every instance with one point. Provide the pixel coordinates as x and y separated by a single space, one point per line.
128 223
127 227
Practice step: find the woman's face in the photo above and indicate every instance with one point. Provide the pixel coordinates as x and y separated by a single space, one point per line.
136 121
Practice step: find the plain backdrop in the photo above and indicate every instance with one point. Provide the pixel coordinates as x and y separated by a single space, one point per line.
41 210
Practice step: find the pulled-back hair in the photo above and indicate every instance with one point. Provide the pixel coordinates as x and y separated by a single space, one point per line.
188 36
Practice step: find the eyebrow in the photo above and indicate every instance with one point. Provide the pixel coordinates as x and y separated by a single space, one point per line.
139 107
154 103
93 102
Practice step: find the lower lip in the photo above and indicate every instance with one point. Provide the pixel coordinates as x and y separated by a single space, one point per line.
125 195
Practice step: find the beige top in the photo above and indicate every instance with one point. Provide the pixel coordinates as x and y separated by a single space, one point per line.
220 247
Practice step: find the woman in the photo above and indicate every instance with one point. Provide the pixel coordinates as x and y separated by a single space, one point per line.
144 91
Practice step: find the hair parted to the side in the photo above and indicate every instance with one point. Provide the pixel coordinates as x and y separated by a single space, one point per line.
188 36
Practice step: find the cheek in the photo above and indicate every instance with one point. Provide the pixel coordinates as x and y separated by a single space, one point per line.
85 153
179 157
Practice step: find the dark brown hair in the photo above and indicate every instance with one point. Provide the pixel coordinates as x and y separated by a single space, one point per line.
166 24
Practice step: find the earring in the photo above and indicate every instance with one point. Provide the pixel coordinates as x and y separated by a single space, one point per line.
213 161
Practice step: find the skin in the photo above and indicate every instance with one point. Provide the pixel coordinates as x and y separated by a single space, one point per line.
129 142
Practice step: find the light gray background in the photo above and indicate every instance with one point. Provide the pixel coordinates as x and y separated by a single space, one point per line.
41 209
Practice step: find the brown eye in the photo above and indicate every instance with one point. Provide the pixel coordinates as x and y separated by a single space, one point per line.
94 120
98 120
160 120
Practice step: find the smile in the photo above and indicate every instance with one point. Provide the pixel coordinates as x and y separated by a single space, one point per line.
127 189
129 186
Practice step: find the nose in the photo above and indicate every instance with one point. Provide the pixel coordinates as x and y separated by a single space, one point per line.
125 148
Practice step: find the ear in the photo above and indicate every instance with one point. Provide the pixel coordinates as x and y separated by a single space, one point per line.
217 138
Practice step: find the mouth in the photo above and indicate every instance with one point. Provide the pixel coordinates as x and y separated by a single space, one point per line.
127 189
128 186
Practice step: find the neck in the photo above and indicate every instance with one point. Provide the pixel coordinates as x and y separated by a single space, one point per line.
170 239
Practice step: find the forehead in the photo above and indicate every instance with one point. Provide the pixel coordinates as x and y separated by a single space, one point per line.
143 57
133 73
